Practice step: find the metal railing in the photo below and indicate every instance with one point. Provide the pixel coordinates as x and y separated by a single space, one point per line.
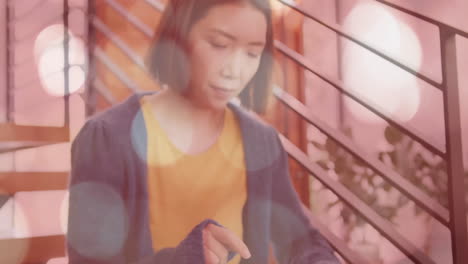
455 217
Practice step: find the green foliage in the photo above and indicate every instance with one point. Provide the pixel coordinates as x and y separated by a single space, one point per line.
405 156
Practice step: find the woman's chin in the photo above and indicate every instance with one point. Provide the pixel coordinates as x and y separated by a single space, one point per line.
219 105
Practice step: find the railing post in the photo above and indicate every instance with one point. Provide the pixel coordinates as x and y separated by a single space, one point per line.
9 34
90 92
3 61
453 141
66 63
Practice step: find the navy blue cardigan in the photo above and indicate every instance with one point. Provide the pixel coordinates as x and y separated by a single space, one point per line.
108 210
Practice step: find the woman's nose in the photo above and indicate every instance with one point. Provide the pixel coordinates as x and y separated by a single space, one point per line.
233 66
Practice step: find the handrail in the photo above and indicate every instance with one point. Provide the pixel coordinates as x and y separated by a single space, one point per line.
425 18
378 222
337 29
299 59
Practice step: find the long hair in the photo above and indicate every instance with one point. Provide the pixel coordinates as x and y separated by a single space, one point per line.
167 60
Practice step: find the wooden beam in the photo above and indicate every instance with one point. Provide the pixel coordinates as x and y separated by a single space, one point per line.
12 132
32 250
13 182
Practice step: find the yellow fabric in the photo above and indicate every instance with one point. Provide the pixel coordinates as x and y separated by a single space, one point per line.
185 189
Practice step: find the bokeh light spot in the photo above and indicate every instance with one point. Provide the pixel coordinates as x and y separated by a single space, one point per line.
49 55
392 90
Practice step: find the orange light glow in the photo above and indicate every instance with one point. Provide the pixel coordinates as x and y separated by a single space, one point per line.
283 9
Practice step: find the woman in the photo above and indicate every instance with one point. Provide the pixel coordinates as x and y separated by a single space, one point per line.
184 175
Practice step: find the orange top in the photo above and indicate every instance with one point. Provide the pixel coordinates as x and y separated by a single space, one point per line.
185 189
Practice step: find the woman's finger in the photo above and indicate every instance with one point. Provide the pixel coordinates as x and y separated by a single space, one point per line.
215 246
210 256
229 239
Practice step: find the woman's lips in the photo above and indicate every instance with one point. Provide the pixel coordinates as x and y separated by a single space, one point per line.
221 92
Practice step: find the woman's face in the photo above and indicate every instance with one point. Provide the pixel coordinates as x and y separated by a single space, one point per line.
226 48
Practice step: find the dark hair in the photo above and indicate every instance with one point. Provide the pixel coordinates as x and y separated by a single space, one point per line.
167 58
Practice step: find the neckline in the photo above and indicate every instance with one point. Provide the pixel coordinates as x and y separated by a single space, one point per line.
136 97
220 137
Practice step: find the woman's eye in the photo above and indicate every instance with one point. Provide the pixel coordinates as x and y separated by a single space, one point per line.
254 55
218 46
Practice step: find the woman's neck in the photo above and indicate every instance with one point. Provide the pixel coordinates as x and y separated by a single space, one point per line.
193 129
181 106
172 107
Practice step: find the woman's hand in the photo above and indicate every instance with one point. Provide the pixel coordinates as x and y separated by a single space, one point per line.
218 241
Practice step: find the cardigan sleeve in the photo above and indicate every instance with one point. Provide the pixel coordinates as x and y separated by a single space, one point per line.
97 218
294 239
